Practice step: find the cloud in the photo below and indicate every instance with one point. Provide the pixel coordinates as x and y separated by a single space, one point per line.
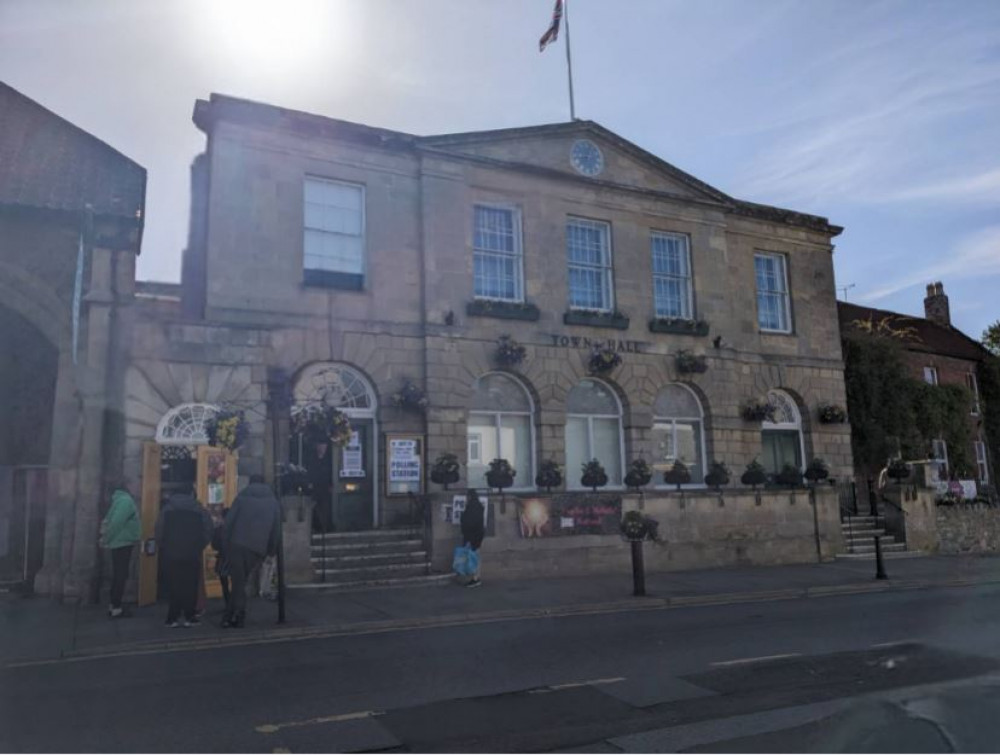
984 187
975 256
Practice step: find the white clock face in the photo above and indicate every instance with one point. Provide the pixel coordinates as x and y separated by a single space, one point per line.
586 157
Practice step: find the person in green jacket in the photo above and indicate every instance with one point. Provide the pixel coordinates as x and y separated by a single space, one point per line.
120 531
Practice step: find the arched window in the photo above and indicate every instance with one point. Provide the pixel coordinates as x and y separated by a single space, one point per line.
184 425
593 431
678 432
336 385
500 427
781 440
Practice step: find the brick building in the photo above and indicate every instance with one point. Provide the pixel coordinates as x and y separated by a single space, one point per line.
939 354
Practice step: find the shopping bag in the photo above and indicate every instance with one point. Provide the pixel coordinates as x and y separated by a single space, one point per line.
472 562
460 561
269 578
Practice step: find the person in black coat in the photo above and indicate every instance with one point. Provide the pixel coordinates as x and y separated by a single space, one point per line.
183 529
473 529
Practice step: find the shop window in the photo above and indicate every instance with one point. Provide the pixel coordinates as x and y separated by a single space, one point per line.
671 275
334 233
781 440
496 243
593 431
588 252
678 432
500 426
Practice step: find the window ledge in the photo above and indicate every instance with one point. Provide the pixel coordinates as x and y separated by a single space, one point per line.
611 320
331 279
765 332
678 326
502 310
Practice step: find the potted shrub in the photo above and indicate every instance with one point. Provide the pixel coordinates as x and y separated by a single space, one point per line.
831 414
509 352
227 429
602 360
789 475
898 470
757 410
594 476
754 475
500 475
817 471
445 470
409 397
718 475
549 475
690 363
677 475
639 474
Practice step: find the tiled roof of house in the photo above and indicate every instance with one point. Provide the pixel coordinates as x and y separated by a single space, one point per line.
926 336
48 163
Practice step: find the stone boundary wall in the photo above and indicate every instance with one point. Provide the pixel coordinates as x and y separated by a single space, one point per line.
700 530
968 529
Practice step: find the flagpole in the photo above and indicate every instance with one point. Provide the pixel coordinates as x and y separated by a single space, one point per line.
569 62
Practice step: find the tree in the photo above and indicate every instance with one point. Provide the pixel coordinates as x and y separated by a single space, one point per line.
991 339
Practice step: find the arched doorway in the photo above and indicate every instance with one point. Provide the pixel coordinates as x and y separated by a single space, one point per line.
344 480
781 438
28 387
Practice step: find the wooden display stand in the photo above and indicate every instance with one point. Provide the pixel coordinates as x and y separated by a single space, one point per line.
215 486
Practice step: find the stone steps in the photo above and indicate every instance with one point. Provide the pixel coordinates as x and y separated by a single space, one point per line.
395 581
860 533
337 561
366 558
885 556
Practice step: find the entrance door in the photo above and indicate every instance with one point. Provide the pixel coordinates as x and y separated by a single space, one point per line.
353 480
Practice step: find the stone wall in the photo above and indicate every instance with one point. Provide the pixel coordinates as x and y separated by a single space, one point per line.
968 529
699 530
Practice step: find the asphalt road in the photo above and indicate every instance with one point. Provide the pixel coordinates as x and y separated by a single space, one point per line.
781 676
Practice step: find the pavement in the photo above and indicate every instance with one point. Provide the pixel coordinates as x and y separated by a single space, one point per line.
35 629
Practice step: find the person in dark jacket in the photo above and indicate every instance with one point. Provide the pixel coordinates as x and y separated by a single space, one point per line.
183 529
473 529
249 534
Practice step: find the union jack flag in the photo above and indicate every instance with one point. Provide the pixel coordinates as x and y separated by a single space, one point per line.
552 33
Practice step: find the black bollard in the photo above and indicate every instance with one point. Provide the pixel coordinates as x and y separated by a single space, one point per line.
638 570
879 565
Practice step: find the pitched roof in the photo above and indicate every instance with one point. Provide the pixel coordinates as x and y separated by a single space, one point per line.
51 164
233 108
928 336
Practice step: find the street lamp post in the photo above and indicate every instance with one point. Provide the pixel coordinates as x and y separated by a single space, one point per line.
277 384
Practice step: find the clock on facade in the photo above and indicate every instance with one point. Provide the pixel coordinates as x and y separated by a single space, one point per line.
586 157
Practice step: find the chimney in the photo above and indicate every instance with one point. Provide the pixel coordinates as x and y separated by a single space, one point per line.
936 305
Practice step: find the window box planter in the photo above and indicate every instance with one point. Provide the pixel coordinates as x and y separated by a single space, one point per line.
678 326
592 319
502 310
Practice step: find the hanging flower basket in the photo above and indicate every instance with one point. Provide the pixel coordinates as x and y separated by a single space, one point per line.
594 476
898 470
689 363
754 475
677 475
500 475
637 527
445 470
322 424
227 429
758 410
509 352
831 414
817 471
549 476
639 474
409 397
602 360
718 475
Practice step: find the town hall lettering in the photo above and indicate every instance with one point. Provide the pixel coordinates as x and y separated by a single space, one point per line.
582 342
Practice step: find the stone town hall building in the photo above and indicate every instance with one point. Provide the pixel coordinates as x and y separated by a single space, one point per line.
337 262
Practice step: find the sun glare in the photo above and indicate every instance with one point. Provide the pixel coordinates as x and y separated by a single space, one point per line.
281 35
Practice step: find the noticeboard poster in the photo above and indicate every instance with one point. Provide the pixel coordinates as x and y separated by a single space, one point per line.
570 514
404 466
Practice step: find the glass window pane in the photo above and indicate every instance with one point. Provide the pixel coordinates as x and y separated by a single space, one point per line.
591 397
676 401
500 393
482 434
607 447
577 449
515 446
689 449
780 447
663 449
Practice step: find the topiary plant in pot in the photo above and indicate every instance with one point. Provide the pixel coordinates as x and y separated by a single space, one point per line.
718 475
754 475
677 475
594 476
789 475
549 476
817 471
639 474
500 475
445 470
898 470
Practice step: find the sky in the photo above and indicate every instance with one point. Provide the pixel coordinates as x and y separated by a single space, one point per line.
883 116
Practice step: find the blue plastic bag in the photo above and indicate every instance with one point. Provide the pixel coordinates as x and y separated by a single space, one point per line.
460 561
472 562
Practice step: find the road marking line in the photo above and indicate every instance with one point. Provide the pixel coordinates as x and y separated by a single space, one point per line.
272 728
891 644
574 685
740 661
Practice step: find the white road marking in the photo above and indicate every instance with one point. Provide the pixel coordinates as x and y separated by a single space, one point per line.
573 685
272 728
740 661
891 644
